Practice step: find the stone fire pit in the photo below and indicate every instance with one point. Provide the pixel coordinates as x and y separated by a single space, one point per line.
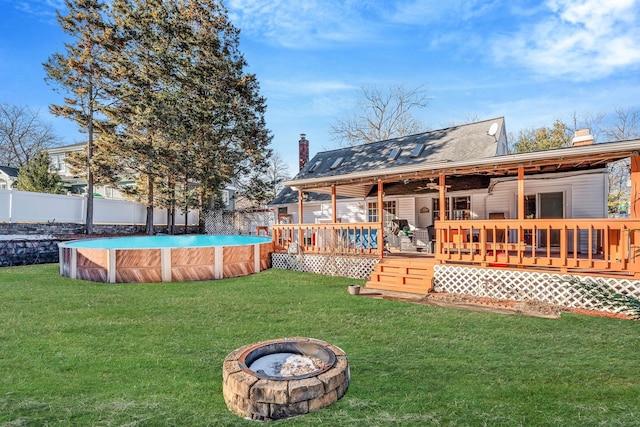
278 379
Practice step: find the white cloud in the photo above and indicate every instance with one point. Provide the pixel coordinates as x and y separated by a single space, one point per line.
577 39
300 23
420 12
306 87
39 7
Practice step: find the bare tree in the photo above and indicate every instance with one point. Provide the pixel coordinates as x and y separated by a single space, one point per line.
590 120
277 172
381 115
626 126
22 134
262 185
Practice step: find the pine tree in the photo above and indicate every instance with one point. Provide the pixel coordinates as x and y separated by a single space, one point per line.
79 72
36 175
140 76
543 138
186 110
227 132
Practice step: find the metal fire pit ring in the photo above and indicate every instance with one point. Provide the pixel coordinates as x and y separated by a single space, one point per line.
258 396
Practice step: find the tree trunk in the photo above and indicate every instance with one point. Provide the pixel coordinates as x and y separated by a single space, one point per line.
149 229
89 218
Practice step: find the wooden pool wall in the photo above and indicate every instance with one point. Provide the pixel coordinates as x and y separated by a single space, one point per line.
165 264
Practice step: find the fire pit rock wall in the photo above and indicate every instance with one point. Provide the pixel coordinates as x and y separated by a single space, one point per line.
257 396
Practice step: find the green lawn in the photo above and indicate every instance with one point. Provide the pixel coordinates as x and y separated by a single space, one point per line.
81 353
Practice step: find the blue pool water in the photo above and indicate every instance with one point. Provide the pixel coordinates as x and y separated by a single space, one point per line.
152 242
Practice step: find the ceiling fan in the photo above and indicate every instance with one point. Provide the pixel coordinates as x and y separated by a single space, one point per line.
430 186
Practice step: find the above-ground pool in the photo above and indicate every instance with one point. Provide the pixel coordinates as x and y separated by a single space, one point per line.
164 258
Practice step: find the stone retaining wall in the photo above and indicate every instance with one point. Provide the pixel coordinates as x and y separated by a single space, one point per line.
33 243
21 251
59 228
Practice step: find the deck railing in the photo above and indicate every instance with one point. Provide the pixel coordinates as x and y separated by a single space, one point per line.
335 238
588 245
605 245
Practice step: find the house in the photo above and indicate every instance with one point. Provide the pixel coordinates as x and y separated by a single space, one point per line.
407 197
8 176
466 203
568 192
74 184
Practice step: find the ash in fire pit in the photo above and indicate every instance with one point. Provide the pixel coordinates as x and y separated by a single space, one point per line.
282 378
286 365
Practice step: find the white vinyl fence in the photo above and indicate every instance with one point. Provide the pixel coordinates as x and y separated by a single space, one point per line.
23 206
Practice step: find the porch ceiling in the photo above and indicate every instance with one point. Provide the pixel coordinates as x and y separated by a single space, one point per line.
348 190
359 184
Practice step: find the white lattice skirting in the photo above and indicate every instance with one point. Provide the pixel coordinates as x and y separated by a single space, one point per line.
524 285
353 267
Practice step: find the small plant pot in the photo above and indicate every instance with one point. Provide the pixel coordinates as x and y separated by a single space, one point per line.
354 289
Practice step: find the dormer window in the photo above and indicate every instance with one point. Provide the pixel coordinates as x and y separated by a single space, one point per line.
315 166
417 151
394 154
337 163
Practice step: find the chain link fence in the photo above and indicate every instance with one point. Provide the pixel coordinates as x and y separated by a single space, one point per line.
237 222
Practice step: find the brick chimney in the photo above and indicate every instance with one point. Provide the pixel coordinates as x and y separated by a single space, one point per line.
582 137
303 150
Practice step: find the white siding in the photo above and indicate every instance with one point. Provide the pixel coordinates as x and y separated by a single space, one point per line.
585 195
407 210
589 194
347 211
500 200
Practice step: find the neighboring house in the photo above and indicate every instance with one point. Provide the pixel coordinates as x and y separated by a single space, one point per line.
74 184
8 176
77 185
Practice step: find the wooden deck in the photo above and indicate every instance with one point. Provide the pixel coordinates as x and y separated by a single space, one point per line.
404 273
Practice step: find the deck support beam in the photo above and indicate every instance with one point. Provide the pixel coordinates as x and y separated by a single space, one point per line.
520 192
300 207
634 199
381 218
334 205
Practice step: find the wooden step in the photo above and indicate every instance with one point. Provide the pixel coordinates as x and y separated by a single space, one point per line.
403 275
394 287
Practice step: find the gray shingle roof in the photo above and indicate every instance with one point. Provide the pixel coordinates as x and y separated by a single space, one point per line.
442 145
454 143
289 196
12 172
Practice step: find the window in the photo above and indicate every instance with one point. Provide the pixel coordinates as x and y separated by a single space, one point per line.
225 198
3 184
417 151
456 208
315 166
394 154
57 163
337 163
389 212
372 212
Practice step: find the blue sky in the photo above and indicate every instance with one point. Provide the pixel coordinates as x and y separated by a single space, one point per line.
529 61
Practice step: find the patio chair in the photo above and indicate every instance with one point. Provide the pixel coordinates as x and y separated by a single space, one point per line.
397 225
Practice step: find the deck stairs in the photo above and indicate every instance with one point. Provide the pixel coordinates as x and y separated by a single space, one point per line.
413 275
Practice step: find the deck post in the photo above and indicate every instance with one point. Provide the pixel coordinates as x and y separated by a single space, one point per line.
634 198
381 218
521 215
520 192
334 205
634 213
300 207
